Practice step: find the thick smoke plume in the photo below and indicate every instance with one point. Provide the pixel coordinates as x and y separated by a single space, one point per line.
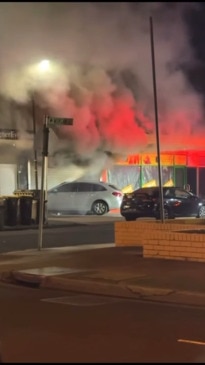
101 74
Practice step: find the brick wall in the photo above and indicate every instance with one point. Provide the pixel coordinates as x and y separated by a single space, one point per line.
164 240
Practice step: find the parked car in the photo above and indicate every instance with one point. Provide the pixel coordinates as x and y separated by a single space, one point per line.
84 197
145 202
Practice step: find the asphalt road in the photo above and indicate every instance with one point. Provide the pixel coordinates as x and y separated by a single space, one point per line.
57 237
96 329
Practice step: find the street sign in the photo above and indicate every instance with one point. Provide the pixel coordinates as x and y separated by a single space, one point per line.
53 121
8 134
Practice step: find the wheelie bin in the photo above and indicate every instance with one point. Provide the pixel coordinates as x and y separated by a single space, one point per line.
26 210
11 204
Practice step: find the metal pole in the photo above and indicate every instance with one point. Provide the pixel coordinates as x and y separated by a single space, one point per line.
29 174
197 181
43 179
34 143
156 122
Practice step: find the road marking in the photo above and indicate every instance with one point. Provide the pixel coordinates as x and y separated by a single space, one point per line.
192 342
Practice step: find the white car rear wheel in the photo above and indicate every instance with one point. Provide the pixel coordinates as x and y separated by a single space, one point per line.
99 207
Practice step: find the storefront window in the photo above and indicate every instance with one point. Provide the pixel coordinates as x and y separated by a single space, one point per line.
126 178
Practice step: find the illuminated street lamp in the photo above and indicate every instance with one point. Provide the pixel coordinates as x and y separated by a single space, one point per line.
44 65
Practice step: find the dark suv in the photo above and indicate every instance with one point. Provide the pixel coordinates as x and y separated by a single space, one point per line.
145 202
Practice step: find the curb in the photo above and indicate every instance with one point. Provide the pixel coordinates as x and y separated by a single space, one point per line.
155 294
100 288
149 291
83 286
75 285
152 294
86 286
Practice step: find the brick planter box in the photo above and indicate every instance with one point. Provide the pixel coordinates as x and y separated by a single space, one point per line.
174 239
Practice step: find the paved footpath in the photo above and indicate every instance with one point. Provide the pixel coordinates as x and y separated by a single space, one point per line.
107 270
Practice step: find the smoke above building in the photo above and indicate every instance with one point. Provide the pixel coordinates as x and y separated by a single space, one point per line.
101 75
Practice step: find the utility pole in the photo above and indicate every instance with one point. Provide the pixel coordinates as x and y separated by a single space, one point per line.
34 142
156 123
43 192
49 122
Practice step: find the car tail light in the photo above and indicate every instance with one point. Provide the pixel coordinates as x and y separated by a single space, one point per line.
176 204
116 193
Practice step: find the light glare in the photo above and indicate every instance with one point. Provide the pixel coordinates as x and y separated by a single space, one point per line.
44 65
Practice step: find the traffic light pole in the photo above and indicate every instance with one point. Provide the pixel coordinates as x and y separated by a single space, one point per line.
43 194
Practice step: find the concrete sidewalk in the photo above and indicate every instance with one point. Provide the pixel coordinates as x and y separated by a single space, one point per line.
107 270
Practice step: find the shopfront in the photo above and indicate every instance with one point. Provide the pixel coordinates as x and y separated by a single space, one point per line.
142 171
177 168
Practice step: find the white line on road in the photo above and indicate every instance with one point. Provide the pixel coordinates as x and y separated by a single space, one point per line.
192 342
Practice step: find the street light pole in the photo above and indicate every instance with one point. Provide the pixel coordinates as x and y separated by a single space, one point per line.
42 67
34 142
48 122
156 122
43 192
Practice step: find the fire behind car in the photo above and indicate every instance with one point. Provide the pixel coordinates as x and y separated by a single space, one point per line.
145 202
84 197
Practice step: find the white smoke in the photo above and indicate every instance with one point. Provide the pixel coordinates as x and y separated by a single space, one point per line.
90 45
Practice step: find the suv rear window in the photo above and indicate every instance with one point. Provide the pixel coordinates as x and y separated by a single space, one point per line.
154 193
98 187
142 196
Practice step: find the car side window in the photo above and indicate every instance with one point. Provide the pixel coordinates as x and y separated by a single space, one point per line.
84 187
181 194
98 187
168 193
67 188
